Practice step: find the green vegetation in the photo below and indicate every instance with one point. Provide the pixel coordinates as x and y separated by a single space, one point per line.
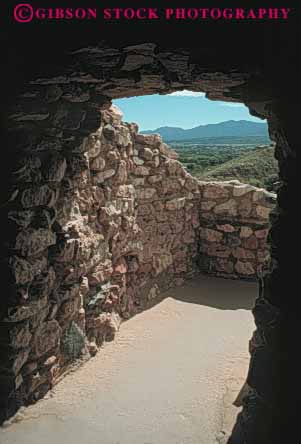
245 162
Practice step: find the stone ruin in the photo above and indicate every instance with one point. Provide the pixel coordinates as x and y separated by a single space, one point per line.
107 231
80 201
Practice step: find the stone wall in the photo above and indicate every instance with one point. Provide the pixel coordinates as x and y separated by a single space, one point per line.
100 232
49 103
234 220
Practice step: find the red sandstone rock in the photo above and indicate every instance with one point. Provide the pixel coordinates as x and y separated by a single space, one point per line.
145 268
242 253
214 191
250 243
226 228
262 234
211 235
120 267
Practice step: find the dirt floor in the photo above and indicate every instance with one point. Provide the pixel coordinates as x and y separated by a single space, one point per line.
170 377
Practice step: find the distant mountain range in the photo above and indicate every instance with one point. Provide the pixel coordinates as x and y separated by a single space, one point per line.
230 128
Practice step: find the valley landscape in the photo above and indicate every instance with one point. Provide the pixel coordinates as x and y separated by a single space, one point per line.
229 150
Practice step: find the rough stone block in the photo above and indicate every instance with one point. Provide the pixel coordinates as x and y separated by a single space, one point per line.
188 237
242 253
245 207
101 273
138 161
141 171
245 268
146 153
46 338
139 181
120 266
135 61
92 145
175 168
68 309
167 151
250 243
263 212
103 176
211 235
146 193
226 228
262 234
97 164
241 190
175 204
208 206
212 191
245 232
228 208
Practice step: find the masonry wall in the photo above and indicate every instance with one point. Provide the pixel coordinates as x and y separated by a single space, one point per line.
51 102
101 229
234 225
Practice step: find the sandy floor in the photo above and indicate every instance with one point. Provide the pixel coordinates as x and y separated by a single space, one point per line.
165 380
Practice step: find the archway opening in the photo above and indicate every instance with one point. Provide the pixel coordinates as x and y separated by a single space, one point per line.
215 140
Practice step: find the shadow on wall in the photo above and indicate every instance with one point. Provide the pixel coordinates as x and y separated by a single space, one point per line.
222 294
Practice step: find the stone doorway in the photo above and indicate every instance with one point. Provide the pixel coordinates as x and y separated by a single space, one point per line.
49 126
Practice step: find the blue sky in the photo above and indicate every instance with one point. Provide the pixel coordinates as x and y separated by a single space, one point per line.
185 109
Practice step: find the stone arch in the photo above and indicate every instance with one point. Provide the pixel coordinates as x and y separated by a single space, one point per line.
50 124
